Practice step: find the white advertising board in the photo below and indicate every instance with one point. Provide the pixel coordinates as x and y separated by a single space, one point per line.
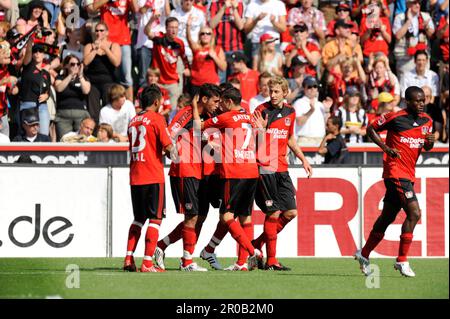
53 212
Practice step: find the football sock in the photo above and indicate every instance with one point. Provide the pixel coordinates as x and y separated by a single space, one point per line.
260 241
238 234
405 243
282 222
243 253
270 233
372 242
133 237
173 237
189 241
151 239
219 234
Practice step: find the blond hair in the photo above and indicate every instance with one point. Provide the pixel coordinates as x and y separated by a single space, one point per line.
278 80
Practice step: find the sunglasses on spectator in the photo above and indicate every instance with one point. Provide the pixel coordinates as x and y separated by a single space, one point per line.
75 63
40 50
205 33
100 30
312 87
300 29
342 10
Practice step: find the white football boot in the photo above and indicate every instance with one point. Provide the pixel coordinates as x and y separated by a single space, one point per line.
364 263
211 258
192 267
404 268
159 258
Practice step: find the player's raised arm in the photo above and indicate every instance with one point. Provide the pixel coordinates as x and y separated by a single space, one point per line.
376 138
292 143
198 124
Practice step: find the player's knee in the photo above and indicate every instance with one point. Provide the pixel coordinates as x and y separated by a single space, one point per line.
415 214
290 214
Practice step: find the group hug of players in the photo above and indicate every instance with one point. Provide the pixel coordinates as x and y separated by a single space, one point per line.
222 156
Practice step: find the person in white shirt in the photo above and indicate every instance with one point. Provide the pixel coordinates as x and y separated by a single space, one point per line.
311 114
264 16
263 87
118 113
182 13
148 8
421 75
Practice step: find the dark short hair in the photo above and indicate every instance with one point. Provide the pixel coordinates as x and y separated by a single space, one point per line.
209 90
149 95
225 86
171 19
412 91
336 120
420 52
233 94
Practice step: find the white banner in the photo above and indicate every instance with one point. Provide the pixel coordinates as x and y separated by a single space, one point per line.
53 212
62 212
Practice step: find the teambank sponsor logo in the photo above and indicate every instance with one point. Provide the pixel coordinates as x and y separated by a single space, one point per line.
412 142
32 228
79 159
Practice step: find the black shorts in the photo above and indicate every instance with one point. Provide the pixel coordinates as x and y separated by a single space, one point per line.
399 192
275 192
149 202
209 193
185 194
238 196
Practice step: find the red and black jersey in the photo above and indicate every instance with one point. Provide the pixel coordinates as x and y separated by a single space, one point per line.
405 132
238 144
181 129
148 136
211 143
165 56
280 127
3 88
228 36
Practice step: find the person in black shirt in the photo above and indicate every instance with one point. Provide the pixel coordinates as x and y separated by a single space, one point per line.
35 86
30 125
72 89
333 146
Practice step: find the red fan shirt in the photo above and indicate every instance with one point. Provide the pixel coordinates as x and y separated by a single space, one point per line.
238 144
148 136
280 127
406 133
165 56
115 15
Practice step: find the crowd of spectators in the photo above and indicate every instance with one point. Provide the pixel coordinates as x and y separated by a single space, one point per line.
68 64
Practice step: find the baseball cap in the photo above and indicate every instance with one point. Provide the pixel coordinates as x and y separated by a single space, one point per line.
341 23
266 37
343 5
352 91
30 117
385 97
238 57
38 47
298 60
310 81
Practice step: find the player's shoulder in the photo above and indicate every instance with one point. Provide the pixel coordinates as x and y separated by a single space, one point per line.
425 115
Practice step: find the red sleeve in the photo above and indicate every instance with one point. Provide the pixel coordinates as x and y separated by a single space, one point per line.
217 121
163 133
363 27
330 28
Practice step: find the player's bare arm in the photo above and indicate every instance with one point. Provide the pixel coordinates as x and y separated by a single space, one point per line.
198 124
375 137
292 143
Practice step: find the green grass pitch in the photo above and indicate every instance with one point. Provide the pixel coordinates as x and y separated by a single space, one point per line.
309 278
